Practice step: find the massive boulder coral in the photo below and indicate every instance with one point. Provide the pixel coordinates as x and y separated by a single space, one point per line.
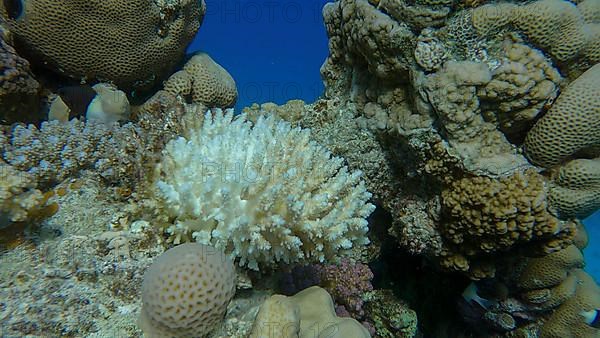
129 43
205 82
186 291
521 87
560 28
574 191
303 315
571 126
265 193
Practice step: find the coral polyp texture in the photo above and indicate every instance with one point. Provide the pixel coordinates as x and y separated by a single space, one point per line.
204 81
308 313
186 291
19 90
130 43
265 193
571 125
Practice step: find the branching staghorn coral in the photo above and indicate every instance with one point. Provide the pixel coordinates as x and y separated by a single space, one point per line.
264 193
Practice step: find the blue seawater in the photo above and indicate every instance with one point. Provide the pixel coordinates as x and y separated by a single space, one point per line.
274 49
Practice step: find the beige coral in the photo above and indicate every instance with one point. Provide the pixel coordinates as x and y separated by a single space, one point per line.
590 10
131 43
308 313
550 270
553 25
205 81
571 126
452 94
359 31
575 189
186 291
549 298
575 316
565 31
521 86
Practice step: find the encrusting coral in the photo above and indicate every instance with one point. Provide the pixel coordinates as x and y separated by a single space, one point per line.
264 193
131 43
19 90
482 215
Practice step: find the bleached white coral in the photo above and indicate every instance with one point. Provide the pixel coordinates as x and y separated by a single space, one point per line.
264 193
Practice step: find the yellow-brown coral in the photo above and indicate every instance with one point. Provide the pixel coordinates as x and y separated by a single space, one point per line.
486 215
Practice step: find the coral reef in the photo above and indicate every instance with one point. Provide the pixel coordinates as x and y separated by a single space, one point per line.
390 317
347 283
19 90
471 126
132 44
221 185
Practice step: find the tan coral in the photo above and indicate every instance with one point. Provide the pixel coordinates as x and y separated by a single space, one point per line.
359 31
571 126
590 10
205 81
131 43
490 18
308 312
549 298
575 191
575 316
558 27
521 86
550 270
553 25
484 215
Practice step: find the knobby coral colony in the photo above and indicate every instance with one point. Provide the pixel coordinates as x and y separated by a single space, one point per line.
473 126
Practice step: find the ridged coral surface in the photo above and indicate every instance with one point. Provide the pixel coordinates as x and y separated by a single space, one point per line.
186 291
127 42
572 124
264 193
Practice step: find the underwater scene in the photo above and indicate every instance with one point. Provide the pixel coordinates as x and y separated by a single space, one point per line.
300 168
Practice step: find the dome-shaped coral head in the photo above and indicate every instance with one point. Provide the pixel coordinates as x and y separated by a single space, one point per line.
133 44
265 193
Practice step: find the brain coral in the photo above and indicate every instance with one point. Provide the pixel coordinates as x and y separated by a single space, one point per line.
575 190
205 81
571 126
186 291
125 42
264 193
576 317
